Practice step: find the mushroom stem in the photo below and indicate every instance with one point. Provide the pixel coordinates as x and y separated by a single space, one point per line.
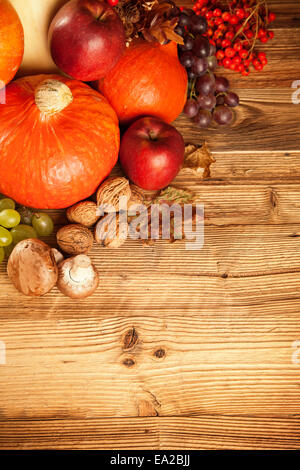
81 269
57 255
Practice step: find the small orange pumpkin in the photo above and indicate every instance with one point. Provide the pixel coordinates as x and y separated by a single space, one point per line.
11 42
58 140
147 81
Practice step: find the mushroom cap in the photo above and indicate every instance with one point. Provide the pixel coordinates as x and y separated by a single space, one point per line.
32 267
81 285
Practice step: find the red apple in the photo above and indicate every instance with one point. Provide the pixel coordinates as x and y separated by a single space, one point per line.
151 153
87 39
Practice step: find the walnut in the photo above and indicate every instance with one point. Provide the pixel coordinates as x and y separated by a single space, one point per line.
75 239
110 231
110 191
136 200
85 213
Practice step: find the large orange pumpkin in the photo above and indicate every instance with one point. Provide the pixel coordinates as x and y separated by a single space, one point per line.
147 80
58 140
11 42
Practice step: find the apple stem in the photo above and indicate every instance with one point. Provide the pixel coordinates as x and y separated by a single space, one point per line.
152 135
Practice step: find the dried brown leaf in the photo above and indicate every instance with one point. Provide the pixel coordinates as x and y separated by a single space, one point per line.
198 160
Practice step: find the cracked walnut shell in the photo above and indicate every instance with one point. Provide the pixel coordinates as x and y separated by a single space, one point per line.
110 232
110 192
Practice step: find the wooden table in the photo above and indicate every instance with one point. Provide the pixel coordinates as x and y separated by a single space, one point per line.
181 349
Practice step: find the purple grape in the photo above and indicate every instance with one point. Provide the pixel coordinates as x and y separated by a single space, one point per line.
175 11
232 99
188 12
184 20
199 66
212 49
191 108
207 101
179 30
220 100
198 24
187 59
223 115
188 44
201 46
203 118
222 84
212 63
206 84
191 75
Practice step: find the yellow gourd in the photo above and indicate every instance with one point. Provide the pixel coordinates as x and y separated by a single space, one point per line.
36 16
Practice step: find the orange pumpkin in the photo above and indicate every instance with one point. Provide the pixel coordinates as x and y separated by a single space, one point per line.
11 42
147 80
58 140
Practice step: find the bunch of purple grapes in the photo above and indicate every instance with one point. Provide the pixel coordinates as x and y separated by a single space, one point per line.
209 96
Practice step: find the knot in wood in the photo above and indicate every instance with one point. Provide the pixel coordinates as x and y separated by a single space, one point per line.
160 353
129 362
130 339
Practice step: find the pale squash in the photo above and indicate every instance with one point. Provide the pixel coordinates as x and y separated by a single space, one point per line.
36 16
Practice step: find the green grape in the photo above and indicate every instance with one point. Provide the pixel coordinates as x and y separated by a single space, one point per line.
8 250
5 237
26 215
9 218
43 224
22 232
7 203
2 254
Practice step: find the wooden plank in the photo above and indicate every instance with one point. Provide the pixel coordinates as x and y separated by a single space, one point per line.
258 125
209 432
194 348
173 333
226 203
159 295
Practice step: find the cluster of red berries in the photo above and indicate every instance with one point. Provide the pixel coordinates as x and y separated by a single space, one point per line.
236 31
113 3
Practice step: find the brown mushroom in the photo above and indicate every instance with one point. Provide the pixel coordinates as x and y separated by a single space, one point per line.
77 277
59 257
32 267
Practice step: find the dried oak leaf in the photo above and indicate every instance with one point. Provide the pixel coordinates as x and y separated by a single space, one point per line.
162 31
153 20
198 160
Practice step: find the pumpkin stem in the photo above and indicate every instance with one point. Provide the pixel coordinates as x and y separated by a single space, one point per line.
52 96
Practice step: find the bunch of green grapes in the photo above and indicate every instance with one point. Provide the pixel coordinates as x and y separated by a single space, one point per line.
19 224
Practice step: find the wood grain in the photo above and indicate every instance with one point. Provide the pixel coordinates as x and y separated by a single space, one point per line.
180 349
210 432
230 361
